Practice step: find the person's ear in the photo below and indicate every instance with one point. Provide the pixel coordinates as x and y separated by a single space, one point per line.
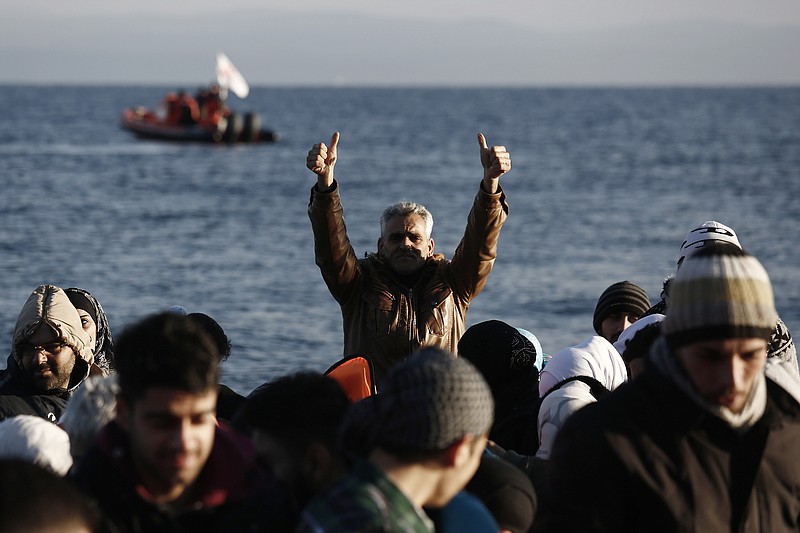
430 247
458 453
380 245
317 462
317 458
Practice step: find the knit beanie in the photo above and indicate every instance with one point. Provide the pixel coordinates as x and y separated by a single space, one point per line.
708 233
622 296
430 401
721 292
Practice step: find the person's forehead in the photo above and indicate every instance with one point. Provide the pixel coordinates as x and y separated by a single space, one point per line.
44 334
730 346
84 313
622 313
400 223
175 402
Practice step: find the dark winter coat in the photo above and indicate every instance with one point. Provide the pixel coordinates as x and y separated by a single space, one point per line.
234 493
16 398
648 458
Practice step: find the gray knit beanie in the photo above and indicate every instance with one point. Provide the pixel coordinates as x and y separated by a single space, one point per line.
719 293
431 401
620 297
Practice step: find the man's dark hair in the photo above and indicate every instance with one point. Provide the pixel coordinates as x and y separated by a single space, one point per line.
166 350
34 499
216 332
304 407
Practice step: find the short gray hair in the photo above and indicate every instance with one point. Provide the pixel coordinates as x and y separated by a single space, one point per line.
404 209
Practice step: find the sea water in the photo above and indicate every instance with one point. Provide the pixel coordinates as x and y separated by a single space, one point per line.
604 186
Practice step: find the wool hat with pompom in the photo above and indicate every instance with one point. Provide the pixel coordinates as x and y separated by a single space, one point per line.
721 292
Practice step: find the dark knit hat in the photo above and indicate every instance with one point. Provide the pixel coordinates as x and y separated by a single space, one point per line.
431 401
721 292
621 297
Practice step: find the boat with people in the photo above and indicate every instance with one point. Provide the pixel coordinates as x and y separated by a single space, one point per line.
202 117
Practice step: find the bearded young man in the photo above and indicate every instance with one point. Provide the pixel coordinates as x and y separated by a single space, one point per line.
50 357
705 438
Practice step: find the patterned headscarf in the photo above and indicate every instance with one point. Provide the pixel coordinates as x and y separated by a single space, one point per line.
104 344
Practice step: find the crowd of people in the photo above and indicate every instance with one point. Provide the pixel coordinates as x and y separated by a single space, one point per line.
681 415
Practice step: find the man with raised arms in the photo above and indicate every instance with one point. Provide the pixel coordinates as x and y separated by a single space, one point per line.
405 296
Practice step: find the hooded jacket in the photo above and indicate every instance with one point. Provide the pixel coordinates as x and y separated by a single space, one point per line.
47 305
596 358
382 318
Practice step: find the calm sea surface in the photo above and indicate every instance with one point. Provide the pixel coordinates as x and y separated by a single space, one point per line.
604 186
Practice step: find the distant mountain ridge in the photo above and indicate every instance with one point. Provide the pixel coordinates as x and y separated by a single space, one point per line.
275 48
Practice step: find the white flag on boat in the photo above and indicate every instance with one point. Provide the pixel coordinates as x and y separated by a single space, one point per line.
229 77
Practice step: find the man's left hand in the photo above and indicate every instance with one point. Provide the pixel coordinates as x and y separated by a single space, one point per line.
496 161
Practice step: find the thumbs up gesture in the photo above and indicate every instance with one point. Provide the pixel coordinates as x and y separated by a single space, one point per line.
496 161
321 160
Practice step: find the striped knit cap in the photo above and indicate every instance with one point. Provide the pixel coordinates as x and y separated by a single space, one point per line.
621 297
722 292
431 401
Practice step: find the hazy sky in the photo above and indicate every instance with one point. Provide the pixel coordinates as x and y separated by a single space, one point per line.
413 41
549 14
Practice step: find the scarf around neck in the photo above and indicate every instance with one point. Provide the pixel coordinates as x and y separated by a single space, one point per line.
667 364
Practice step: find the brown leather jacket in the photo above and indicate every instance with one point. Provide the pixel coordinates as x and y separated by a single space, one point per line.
385 320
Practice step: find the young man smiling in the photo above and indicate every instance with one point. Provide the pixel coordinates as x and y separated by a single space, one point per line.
165 464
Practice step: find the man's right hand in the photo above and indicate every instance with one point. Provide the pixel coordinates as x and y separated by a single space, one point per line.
321 160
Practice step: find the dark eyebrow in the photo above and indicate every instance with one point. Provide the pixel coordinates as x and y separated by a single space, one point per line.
402 233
